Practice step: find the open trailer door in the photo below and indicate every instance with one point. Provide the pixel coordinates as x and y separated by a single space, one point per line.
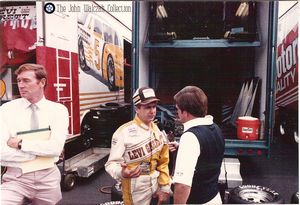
197 49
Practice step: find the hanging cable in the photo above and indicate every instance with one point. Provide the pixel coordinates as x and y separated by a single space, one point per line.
105 189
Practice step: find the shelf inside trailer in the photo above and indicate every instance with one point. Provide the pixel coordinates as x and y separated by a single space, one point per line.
234 143
234 147
205 43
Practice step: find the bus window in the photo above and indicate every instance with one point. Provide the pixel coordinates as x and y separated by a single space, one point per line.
106 37
110 40
98 27
120 43
107 34
90 24
116 40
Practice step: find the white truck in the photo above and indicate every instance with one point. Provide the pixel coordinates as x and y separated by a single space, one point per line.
286 105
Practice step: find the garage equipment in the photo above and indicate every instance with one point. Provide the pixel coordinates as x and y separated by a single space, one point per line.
97 128
83 164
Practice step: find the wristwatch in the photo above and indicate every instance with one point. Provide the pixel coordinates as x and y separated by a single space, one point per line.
20 144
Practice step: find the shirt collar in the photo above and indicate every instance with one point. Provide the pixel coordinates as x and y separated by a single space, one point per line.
39 104
207 120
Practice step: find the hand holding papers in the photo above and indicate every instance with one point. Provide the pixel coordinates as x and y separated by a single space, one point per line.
39 162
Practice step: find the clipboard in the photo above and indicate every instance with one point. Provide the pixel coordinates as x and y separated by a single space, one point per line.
39 162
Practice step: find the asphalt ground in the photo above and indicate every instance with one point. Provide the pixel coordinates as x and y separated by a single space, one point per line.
280 173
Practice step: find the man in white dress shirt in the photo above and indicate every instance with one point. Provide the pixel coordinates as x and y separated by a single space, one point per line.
43 185
200 151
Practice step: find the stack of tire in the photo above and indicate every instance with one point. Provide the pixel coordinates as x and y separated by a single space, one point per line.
113 203
253 194
123 112
295 198
99 124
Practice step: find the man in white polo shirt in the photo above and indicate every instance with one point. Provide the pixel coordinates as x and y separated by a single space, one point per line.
200 151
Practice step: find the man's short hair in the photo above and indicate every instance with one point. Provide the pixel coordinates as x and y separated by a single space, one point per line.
193 100
38 69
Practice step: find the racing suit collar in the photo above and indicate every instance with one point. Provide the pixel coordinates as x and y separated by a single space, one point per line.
140 123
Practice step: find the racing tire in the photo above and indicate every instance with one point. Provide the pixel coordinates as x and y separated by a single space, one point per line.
253 194
111 73
286 125
295 198
68 182
113 203
116 192
81 56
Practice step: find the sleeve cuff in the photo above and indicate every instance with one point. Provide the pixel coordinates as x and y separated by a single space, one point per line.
119 174
165 188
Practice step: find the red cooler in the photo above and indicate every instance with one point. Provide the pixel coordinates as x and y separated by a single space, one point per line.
247 128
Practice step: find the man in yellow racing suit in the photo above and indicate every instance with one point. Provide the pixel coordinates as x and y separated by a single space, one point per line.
139 154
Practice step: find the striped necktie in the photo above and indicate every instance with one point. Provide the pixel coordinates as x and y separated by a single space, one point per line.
34 121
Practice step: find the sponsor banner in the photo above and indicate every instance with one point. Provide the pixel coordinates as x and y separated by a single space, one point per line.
17 34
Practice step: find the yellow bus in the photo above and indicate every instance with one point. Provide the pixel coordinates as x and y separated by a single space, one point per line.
101 51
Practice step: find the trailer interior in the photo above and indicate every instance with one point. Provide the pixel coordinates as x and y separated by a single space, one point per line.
222 47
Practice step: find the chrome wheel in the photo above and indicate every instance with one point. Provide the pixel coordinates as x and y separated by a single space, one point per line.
110 72
82 61
253 194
